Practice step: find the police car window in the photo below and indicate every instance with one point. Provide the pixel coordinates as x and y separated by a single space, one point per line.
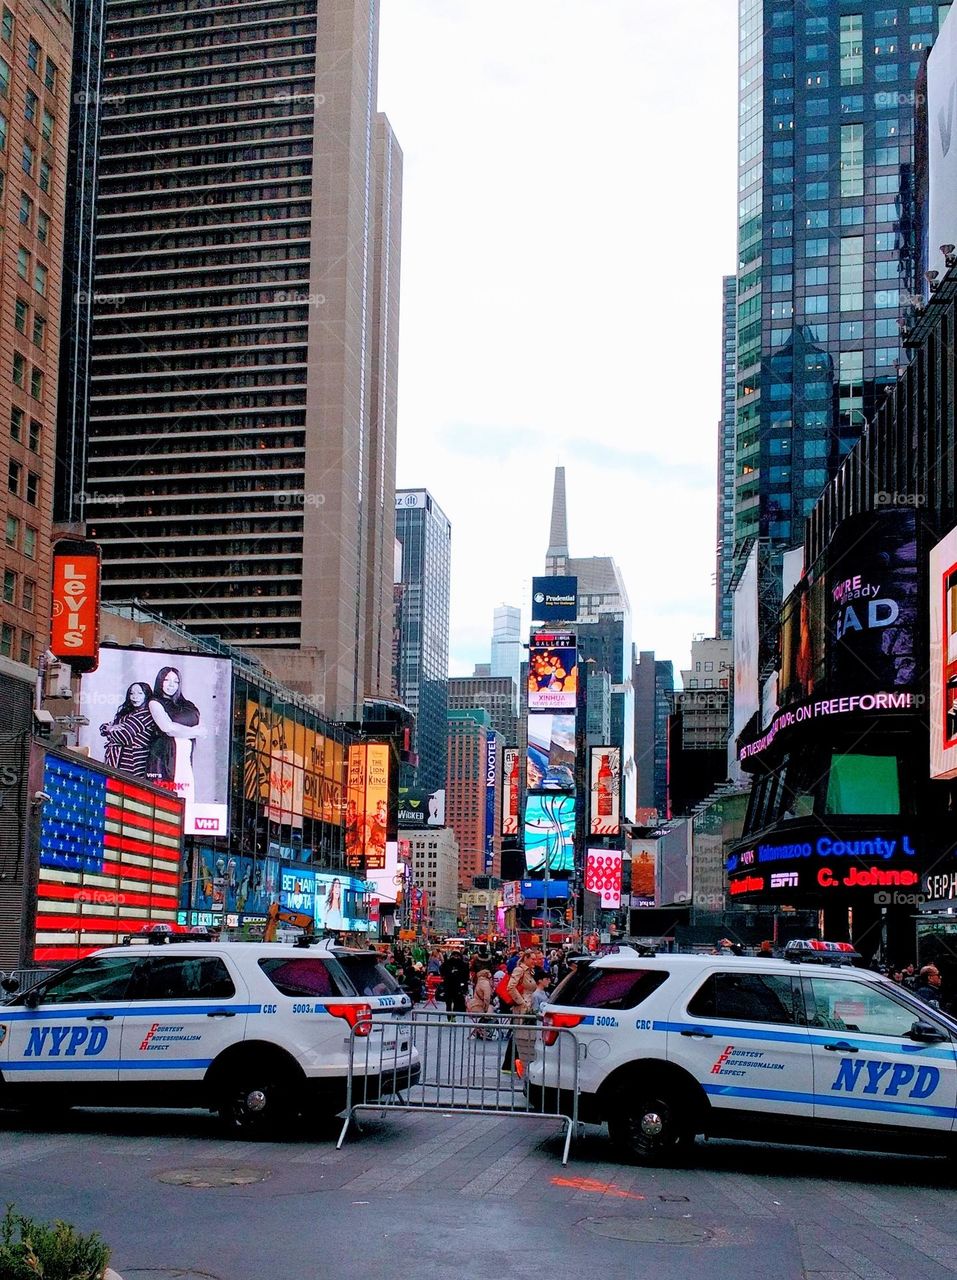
851 1006
748 997
367 975
181 978
300 977
597 988
96 979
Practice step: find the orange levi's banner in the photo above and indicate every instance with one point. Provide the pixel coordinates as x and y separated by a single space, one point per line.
75 613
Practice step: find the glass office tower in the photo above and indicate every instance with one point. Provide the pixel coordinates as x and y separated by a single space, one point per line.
825 269
422 622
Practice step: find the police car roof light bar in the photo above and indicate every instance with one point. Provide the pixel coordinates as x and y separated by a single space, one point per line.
819 951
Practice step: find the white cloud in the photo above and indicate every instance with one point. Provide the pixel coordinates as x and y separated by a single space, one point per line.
568 211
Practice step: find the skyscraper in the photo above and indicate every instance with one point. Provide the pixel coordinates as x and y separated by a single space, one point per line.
824 266
496 695
724 551
507 642
467 811
240 467
35 87
654 704
603 628
422 668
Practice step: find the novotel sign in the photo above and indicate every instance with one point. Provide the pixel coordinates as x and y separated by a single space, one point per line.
825 707
865 849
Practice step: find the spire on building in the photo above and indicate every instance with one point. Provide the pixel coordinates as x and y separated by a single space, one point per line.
556 557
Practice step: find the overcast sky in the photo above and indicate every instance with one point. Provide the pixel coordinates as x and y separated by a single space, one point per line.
568 212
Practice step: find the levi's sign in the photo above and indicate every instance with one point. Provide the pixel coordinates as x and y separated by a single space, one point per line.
74 635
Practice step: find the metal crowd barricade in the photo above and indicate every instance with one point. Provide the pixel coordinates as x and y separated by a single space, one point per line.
462 1067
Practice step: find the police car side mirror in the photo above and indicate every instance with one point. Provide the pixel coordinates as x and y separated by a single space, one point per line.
10 984
925 1033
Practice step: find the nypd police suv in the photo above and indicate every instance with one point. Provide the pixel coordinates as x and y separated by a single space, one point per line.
259 1033
671 1046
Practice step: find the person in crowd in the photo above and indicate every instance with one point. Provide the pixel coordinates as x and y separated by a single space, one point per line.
910 977
455 980
765 951
513 958
170 761
521 986
929 986
434 964
480 1002
540 994
130 733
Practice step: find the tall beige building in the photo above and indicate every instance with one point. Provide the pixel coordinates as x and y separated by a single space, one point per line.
241 455
35 49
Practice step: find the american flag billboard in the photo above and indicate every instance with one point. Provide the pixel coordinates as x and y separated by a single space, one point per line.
110 853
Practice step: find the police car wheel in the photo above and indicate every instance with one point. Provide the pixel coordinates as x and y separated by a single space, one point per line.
254 1098
646 1128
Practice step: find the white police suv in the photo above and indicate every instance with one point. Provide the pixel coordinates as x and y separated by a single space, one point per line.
259 1033
671 1046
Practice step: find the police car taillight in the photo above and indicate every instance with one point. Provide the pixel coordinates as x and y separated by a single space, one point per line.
358 1016
552 1023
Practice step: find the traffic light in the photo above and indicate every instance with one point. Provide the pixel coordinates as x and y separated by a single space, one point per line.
569 914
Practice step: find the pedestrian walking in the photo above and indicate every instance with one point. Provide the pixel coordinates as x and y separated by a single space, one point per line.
929 986
455 980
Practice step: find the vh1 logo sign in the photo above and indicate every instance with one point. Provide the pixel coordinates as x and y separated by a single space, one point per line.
206 824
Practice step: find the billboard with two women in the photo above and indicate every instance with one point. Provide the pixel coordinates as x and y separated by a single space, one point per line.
164 718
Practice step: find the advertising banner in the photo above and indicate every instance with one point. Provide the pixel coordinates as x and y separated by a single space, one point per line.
110 860
511 790
231 883
816 859
164 718
421 808
550 833
340 903
747 697
297 890
550 762
291 770
554 599
644 866
367 805
552 672
75 612
605 791
603 876
943 657
873 603
942 131
491 772
511 893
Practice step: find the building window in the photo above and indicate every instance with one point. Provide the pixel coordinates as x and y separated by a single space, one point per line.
46 177
43 227
46 129
29 159
26 649
852 49
14 477
26 209
6 26
23 263
39 331
852 159
40 277
33 441
12 534
31 104
36 383
33 488
21 312
9 587
4 77
16 423
50 75
19 370
6 640
33 55
3 132
30 542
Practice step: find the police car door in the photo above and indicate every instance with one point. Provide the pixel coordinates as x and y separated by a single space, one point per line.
69 1028
741 1034
868 1066
184 1010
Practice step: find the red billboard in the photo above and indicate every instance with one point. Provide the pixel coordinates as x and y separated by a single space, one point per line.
75 611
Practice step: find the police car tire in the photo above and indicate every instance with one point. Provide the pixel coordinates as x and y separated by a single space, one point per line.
648 1123
255 1094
